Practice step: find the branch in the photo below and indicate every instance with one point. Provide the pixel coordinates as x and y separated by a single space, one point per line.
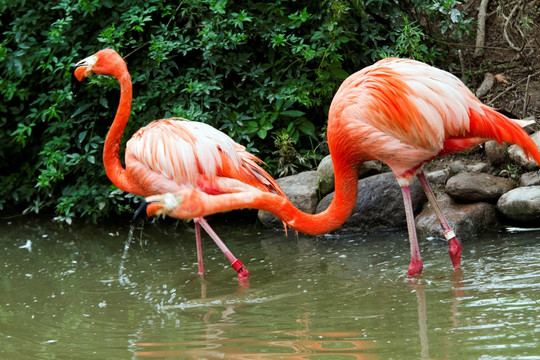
481 33
487 84
519 5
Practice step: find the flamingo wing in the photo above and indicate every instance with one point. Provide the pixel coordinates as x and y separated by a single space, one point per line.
172 153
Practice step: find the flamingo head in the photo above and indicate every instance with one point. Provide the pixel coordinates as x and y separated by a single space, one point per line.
186 204
162 204
104 62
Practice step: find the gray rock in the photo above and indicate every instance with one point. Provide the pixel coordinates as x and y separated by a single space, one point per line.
439 177
473 187
369 168
521 204
302 190
467 220
379 203
530 179
496 154
325 170
457 166
326 173
518 156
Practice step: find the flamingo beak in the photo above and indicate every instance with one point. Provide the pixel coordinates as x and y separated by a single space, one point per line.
80 71
75 82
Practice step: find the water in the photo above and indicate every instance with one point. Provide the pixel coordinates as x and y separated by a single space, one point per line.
74 293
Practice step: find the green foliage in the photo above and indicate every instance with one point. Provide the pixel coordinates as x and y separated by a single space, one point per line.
255 70
411 43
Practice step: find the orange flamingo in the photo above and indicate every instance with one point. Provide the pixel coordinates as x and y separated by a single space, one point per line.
174 154
402 112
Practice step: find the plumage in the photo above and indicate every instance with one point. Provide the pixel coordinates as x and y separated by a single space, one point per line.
401 112
173 154
190 154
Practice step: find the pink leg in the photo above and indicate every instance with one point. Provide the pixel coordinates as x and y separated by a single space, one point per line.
199 248
416 261
454 246
237 265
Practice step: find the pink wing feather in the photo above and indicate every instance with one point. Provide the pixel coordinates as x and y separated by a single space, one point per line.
190 154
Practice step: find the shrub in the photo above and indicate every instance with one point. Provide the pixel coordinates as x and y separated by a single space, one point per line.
259 71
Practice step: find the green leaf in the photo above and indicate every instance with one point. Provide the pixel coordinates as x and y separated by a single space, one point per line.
80 110
292 113
262 133
103 102
82 135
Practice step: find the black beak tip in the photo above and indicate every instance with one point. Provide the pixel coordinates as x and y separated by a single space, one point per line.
140 214
75 83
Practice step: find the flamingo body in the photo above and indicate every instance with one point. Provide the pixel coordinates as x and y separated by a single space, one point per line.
405 113
170 155
401 112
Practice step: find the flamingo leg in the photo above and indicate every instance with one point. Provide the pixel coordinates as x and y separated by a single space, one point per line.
199 248
454 246
237 265
416 266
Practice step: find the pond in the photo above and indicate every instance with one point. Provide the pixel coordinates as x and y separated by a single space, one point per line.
70 292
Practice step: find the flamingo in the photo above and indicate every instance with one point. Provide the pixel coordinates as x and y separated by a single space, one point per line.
173 154
399 111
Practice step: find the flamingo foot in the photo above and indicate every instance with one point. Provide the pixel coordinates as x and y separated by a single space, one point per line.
243 273
454 249
415 269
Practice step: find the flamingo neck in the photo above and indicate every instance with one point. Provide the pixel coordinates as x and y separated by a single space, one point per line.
111 150
346 190
314 224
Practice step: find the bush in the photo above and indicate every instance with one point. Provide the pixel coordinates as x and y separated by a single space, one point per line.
263 72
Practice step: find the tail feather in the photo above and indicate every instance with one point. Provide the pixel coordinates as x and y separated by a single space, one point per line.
496 126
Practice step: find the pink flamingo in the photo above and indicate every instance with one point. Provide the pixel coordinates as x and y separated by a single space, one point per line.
175 154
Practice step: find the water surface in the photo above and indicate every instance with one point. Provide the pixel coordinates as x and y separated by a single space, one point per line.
72 294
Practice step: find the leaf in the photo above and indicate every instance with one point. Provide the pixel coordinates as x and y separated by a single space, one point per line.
80 110
455 15
82 135
103 102
262 133
292 113
339 73
307 128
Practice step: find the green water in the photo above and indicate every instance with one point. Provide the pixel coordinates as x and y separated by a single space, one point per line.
74 296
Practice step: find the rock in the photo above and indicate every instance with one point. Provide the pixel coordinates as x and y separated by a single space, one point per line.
379 203
473 187
457 166
439 177
529 179
518 156
467 220
326 173
325 170
504 173
369 168
496 154
302 190
521 204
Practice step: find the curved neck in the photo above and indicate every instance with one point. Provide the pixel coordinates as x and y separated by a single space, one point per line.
111 150
314 224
